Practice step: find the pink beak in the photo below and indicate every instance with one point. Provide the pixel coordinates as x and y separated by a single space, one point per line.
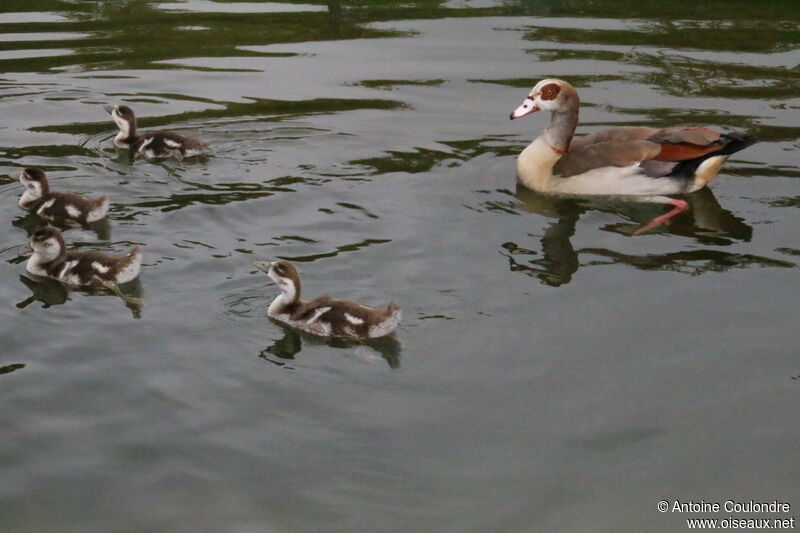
526 108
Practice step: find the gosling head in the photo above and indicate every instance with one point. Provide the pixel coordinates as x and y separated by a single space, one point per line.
285 276
47 243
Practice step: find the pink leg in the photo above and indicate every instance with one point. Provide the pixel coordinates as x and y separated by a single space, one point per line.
680 207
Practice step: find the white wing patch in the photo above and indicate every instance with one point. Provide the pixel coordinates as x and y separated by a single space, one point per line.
73 211
100 267
172 144
353 319
318 313
47 205
143 148
69 265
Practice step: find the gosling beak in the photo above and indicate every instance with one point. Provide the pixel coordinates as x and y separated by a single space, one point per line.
109 109
263 265
526 108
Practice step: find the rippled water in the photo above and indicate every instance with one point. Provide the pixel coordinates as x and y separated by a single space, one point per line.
552 373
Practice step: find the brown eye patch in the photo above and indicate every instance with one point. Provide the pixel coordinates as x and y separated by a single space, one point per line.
550 91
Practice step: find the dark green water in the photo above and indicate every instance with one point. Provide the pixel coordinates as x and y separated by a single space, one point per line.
552 373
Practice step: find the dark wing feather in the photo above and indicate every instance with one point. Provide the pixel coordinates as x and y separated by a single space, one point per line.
59 209
186 142
306 309
87 273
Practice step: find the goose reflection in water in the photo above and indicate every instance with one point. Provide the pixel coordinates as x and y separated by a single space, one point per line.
706 221
287 347
31 222
7 369
52 292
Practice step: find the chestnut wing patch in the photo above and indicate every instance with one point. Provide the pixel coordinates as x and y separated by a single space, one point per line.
683 144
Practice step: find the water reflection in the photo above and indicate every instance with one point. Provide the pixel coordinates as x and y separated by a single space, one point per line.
283 350
764 37
31 222
47 291
250 110
692 262
7 369
51 292
557 260
153 36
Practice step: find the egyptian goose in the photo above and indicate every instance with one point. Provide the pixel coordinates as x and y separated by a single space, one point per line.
630 161
51 259
155 144
323 315
58 206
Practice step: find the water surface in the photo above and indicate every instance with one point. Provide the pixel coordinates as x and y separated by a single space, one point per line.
552 373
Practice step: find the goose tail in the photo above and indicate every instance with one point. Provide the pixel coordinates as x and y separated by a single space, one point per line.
130 266
99 209
392 319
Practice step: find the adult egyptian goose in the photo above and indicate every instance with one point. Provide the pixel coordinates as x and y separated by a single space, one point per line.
154 144
323 315
630 161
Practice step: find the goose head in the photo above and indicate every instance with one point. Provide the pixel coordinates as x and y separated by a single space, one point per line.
35 182
549 95
285 276
47 244
124 118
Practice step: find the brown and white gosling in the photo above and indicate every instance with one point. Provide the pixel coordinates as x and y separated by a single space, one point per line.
323 315
151 145
58 206
51 259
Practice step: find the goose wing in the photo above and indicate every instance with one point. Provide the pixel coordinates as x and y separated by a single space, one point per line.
622 147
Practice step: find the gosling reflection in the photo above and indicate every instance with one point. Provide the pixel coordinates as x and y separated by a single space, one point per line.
45 290
50 292
7 369
557 261
284 350
31 222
